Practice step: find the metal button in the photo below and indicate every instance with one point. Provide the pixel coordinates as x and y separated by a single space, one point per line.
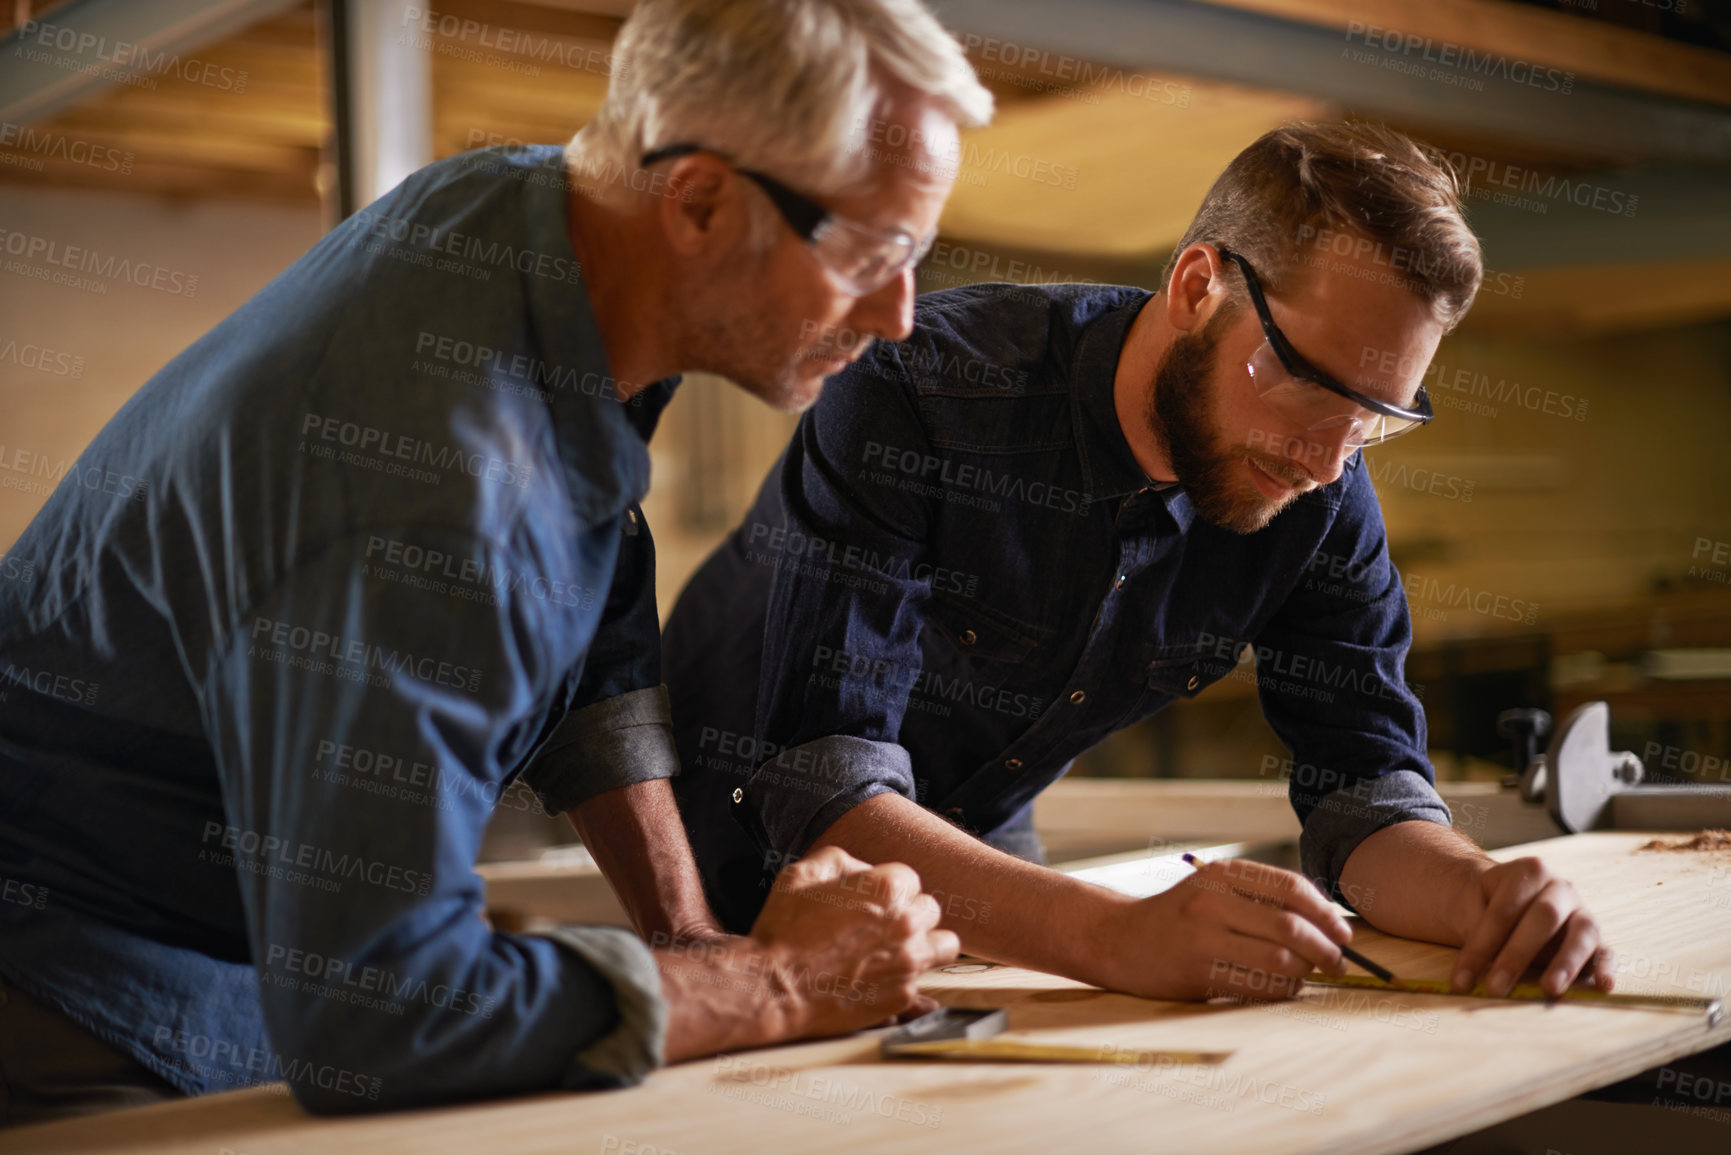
1193 682
1078 698
969 637
739 794
1012 763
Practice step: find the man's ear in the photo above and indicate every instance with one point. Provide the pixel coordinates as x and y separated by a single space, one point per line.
701 205
1198 277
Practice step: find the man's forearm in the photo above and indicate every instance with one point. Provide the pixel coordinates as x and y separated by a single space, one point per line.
1407 879
1002 907
639 843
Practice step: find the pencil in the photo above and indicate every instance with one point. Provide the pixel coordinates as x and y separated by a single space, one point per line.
1376 969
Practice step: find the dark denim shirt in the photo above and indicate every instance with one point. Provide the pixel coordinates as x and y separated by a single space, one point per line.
287 628
957 578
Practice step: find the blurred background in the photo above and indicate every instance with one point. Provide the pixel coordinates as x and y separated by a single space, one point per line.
1564 527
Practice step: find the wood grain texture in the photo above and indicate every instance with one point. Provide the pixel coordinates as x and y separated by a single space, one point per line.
1333 1071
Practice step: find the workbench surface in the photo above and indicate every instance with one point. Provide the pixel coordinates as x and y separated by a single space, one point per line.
1333 1071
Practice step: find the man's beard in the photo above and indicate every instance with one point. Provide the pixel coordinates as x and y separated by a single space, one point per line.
1182 420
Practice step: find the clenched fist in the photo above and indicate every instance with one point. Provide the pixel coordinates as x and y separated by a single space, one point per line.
839 945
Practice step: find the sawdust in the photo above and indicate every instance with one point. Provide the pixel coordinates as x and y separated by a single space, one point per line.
1706 840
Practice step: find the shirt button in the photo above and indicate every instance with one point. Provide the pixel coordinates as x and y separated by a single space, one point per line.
1012 763
1193 682
969 637
739 794
1078 698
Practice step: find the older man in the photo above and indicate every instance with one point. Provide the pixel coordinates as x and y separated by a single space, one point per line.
1051 513
374 549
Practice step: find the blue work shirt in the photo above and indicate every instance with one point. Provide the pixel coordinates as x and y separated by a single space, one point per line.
284 632
957 578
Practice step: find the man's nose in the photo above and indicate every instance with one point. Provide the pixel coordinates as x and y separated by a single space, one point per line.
888 312
1328 451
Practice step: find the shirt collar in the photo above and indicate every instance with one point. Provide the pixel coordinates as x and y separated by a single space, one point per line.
602 443
1108 465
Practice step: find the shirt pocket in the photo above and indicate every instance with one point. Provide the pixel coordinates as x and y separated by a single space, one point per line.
974 631
1184 669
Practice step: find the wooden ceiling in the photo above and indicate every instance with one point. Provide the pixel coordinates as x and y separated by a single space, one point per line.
1085 177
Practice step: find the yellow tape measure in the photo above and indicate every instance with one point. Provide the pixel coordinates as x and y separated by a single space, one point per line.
1532 992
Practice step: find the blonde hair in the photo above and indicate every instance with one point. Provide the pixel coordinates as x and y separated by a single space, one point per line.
788 87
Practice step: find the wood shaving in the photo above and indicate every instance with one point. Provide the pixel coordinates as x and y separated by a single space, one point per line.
1706 840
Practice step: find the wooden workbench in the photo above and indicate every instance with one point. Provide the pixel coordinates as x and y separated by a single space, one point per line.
1335 1071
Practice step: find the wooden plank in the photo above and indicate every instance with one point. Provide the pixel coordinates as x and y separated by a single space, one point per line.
573 890
1154 811
1333 1071
1603 52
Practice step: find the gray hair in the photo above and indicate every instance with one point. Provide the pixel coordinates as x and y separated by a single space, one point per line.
789 87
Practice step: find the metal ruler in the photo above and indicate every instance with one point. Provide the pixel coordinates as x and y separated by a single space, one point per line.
1713 1009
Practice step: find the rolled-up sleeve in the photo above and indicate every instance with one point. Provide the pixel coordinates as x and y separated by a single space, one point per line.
841 647
620 730
362 905
1331 670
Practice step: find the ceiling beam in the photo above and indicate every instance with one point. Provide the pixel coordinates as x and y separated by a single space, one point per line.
1621 57
1501 91
85 46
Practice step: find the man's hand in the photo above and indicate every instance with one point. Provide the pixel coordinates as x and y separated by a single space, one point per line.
1234 927
1518 914
852 940
840 945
